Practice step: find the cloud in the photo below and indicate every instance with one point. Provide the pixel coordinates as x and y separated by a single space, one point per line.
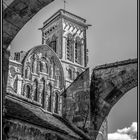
127 133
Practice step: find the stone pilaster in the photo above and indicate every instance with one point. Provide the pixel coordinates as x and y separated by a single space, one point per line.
5 68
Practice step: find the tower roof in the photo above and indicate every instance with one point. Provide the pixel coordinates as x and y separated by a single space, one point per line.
67 15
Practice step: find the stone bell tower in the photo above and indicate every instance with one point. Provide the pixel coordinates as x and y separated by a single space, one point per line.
65 33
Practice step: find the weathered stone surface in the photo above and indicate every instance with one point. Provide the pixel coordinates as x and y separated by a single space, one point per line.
5 67
17 13
108 84
20 111
76 101
19 130
31 79
103 132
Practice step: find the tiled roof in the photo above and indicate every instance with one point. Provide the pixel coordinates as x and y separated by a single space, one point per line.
32 114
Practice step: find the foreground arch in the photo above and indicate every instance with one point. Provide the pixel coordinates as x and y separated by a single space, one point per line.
16 13
109 83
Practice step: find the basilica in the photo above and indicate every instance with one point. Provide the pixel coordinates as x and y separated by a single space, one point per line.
48 86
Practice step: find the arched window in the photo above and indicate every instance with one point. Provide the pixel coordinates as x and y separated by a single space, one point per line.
27 73
50 71
53 43
43 93
41 66
70 74
70 47
53 68
28 92
57 79
34 64
36 90
56 103
24 91
50 97
78 50
16 84
47 68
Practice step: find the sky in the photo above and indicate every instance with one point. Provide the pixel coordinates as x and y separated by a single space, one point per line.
112 37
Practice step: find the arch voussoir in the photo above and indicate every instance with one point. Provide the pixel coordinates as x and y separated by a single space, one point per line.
109 83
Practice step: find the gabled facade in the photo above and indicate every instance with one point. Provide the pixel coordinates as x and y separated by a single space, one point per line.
39 79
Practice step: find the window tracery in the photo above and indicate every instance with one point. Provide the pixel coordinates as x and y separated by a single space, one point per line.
70 47
78 50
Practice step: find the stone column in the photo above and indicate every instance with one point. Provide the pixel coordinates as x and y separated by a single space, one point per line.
5 68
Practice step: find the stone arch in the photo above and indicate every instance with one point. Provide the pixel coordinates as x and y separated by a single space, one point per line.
22 16
46 51
108 84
